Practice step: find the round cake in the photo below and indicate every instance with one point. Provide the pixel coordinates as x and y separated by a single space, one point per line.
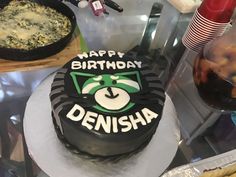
105 103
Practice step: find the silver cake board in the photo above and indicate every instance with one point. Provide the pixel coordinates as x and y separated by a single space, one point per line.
54 159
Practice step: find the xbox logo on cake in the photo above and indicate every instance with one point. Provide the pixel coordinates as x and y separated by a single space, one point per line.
111 91
106 103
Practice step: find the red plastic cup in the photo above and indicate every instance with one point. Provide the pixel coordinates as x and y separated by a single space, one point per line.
209 21
217 10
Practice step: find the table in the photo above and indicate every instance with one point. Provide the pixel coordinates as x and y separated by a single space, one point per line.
17 81
116 31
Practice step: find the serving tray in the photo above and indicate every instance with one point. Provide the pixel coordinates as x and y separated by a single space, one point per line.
197 168
76 45
54 159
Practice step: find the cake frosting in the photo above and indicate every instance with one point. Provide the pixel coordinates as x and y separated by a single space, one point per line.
106 103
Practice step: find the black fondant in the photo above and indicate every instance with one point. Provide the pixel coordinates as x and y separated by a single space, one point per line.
98 142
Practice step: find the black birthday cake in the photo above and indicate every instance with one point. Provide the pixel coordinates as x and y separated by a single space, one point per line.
106 103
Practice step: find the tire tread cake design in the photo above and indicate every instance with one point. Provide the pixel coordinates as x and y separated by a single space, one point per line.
106 104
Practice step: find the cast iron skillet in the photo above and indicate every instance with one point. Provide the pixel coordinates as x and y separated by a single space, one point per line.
45 51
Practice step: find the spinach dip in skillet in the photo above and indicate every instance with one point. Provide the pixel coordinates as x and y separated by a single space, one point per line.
27 25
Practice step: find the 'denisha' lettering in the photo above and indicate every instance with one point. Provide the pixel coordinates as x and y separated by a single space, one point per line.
110 124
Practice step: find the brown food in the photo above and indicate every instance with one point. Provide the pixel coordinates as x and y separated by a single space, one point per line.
229 171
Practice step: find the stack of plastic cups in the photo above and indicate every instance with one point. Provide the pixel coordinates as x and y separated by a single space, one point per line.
209 21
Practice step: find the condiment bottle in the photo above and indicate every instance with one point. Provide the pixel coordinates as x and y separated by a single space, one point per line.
97 7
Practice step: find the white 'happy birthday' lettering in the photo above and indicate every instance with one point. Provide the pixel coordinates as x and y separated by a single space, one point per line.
100 53
81 63
91 64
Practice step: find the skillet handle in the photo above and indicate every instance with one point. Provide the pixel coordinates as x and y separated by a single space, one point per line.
74 2
3 3
113 5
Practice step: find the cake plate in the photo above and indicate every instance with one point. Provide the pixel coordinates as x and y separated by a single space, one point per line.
54 159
